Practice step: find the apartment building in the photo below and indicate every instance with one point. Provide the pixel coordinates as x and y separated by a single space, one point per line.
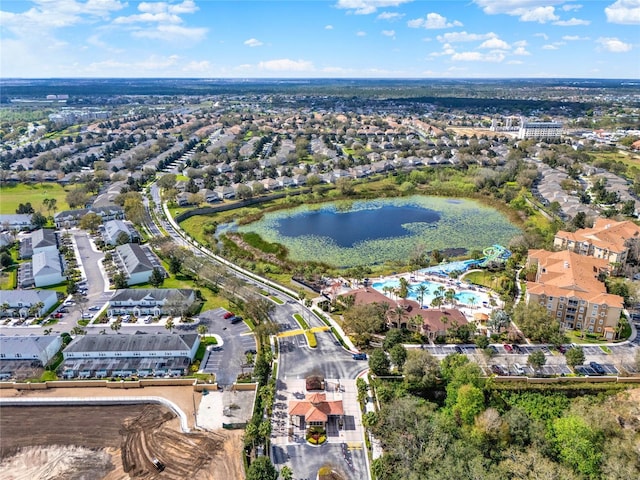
567 284
607 239
539 130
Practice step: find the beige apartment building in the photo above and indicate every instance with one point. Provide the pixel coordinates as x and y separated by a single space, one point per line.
607 239
567 285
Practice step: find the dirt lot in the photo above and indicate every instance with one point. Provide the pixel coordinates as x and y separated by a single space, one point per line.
112 442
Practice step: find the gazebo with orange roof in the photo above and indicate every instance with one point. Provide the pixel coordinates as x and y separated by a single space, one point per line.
315 409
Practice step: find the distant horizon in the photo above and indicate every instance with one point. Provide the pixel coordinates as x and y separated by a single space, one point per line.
294 79
353 39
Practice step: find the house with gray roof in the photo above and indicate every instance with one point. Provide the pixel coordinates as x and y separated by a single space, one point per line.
151 301
136 262
16 221
18 302
113 230
47 268
41 240
70 218
41 348
126 355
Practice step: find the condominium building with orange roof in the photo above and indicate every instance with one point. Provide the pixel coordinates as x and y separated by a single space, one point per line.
569 286
607 239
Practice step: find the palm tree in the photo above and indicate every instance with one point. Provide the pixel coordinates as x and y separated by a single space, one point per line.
450 296
117 325
400 312
286 473
416 322
78 331
169 325
4 307
472 302
437 301
403 289
422 290
202 330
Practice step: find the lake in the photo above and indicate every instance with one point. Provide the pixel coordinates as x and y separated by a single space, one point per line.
371 232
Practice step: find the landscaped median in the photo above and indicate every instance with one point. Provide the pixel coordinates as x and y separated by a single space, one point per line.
311 339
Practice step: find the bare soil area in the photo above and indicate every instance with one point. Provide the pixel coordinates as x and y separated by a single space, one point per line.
111 443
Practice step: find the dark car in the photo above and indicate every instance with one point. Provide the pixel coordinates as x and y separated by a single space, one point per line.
251 351
359 356
498 370
458 349
236 319
517 348
599 369
562 349
493 349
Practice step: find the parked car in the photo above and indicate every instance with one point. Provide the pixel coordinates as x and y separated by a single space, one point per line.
94 308
508 348
236 319
517 348
359 356
251 351
599 369
498 370
229 315
493 349
69 303
519 369
58 315
87 315
458 349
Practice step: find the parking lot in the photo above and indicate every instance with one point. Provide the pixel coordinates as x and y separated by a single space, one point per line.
226 361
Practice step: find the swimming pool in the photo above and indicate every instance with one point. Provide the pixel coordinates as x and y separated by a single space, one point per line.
465 297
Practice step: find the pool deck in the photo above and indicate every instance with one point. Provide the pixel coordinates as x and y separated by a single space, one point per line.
342 286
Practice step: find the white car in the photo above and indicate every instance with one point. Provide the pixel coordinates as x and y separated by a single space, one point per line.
519 369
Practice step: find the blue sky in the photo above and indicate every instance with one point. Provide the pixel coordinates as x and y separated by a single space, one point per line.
318 38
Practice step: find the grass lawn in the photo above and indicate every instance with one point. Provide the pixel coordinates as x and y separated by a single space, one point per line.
483 278
180 281
14 194
575 337
8 278
301 321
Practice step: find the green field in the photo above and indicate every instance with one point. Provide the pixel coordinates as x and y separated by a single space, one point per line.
12 195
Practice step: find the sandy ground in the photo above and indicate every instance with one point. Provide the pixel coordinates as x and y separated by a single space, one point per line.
112 442
184 397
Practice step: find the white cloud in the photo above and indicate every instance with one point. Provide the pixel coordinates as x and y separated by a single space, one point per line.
202 66
457 37
361 34
495 44
521 51
253 42
389 33
48 15
171 33
391 16
147 17
328 27
496 57
539 14
613 45
540 11
573 22
573 38
366 7
626 12
541 35
433 21
187 6
550 47
515 62
285 64
571 6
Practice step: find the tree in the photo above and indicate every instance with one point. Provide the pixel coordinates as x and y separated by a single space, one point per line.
91 221
202 329
378 362
393 337
574 356
122 238
77 197
422 290
5 260
157 277
134 210
398 355
536 323
117 325
421 368
262 469
498 320
175 264
169 325
286 473
579 445
38 219
361 321
120 280
25 208
167 181
537 360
